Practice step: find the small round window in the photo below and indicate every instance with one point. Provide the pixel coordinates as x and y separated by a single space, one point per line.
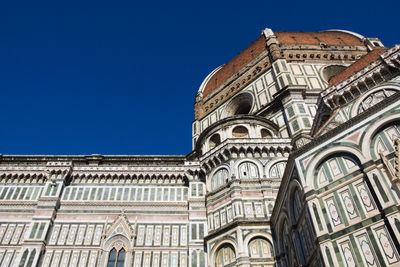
241 104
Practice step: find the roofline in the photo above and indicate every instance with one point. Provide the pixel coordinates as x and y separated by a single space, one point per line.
207 79
359 36
93 157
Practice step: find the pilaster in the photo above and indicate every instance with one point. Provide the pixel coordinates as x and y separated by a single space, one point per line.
45 213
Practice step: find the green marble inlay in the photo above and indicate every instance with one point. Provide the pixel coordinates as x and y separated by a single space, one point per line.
329 256
356 201
380 188
325 214
337 253
340 208
375 246
316 214
355 248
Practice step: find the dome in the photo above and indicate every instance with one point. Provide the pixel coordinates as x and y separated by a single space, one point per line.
218 76
330 38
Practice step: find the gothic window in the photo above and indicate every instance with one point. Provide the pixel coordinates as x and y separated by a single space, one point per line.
296 204
31 258
285 245
248 170
194 258
277 170
225 256
197 258
23 259
260 248
219 178
240 132
202 259
116 258
301 247
374 98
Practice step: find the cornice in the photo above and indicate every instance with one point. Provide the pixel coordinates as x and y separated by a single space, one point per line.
236 223
346 125
375 67
252 145
9 159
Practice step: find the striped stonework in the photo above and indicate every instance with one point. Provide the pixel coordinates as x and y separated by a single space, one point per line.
295 162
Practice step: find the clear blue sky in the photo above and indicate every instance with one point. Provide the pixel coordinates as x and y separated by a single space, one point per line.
120 77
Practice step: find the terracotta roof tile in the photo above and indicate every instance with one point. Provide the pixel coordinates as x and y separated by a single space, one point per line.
357 66
288 38
234 65
315 38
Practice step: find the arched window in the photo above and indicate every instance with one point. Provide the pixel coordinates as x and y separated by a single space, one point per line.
374 98
198 259
260 248
286 244
296 204
23 259
225 256
219 178
277 170
265 133
240 132
116 258
240 104
202 259
31 258
384 139
194 258
215 140
330 71
335 167
248 170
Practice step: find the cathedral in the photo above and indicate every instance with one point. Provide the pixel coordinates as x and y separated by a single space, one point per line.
294 162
